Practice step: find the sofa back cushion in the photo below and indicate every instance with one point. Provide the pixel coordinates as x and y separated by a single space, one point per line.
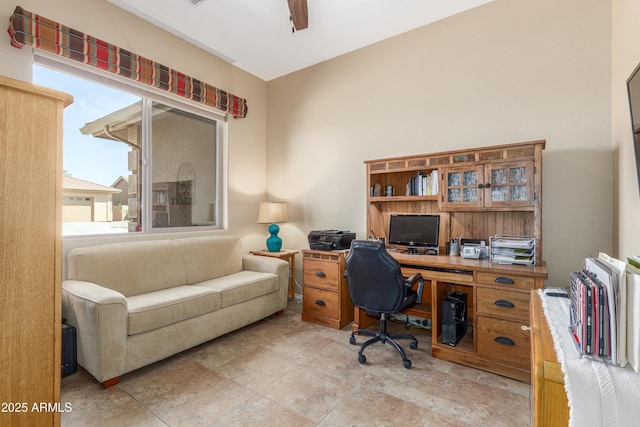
131 268
210 257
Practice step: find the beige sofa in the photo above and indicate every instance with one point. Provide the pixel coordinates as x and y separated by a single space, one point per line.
136 303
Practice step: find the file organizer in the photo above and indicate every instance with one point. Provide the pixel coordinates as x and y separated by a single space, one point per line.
519 250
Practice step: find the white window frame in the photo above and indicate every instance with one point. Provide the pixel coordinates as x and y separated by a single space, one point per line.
149 95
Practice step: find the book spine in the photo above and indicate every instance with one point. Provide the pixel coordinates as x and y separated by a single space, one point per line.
602 319
575 309
589 304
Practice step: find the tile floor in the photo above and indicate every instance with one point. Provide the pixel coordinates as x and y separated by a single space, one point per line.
282 371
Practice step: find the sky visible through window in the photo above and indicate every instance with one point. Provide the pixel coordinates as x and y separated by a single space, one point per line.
93 159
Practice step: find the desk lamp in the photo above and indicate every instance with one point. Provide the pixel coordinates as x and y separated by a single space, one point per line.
270 213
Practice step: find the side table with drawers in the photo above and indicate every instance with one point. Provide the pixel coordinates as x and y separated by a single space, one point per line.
326 299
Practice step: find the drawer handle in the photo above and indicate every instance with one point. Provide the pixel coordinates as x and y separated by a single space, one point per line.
320 274
504 280
504 303
525 328
320 302
505 341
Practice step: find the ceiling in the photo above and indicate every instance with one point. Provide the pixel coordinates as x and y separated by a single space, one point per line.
256 35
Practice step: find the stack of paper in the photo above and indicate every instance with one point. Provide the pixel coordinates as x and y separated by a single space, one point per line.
633 312
513 250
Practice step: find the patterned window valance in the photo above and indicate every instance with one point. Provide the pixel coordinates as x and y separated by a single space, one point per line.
27 28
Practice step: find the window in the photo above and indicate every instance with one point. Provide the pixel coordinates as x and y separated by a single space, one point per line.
134 161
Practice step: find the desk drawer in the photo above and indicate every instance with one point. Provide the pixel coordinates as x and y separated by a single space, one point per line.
507 280
320 302
322 274
500 302
459 276
504 340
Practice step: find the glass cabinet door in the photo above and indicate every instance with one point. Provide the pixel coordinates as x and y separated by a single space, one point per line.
461 187
509 184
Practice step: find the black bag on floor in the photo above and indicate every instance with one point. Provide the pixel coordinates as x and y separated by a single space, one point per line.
69 346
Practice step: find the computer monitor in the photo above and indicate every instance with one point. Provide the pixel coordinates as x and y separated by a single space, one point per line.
414 231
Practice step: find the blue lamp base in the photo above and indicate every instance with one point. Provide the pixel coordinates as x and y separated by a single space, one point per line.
274 243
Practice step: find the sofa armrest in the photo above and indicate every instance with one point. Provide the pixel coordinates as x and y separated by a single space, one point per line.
99 315
266 264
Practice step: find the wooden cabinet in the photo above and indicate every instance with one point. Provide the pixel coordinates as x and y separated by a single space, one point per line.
503 328
462 187
481 192
509 185
550 406
30 249
498 336
326 299
496 185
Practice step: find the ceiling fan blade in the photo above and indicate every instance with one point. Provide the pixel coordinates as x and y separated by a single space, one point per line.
299 14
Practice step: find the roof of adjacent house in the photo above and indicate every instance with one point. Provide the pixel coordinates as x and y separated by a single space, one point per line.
73 183
120 178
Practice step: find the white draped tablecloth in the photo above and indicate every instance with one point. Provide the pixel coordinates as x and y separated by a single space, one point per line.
599 393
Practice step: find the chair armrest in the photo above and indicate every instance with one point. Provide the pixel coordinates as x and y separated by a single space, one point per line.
99 315
416 277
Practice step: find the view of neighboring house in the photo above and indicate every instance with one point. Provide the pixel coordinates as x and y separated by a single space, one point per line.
85 201
120 199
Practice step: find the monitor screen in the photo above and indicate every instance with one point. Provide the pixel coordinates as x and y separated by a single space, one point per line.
414 230
633 88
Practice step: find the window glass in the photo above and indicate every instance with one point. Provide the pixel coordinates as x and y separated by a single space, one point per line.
184 165
106 139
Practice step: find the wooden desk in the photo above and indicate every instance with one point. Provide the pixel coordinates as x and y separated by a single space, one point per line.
498 339
288 255
549 406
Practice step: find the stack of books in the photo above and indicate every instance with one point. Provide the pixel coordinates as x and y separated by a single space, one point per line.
513 250
423 184
605 310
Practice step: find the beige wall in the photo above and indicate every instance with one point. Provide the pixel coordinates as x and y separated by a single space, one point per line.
247 147
626 56
507 71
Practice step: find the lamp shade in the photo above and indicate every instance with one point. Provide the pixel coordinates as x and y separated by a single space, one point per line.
272 212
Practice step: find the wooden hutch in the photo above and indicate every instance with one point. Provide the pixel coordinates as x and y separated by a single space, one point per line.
481 192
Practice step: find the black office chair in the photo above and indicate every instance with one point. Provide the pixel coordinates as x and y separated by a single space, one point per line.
377 286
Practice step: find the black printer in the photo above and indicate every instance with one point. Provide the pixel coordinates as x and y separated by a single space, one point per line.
329 240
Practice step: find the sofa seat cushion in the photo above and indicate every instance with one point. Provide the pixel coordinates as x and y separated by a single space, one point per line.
243 286
154 310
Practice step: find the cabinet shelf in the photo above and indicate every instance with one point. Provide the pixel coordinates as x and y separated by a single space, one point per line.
403 198
465 344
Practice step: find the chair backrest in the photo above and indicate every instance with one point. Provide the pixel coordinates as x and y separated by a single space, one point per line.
375 281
